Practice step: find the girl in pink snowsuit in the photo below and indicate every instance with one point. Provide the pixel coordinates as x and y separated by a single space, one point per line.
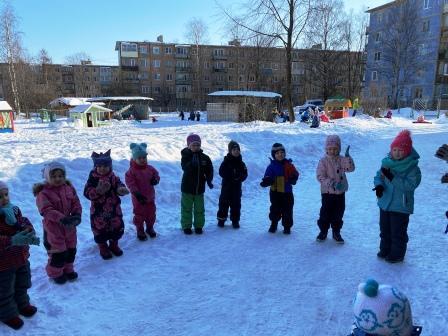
140 180
60 208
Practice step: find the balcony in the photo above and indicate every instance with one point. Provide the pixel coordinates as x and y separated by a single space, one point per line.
215 69
183 81
182 55
183 69
129 67
219 57
441 79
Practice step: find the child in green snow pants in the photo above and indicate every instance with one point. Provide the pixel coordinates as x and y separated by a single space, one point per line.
192 204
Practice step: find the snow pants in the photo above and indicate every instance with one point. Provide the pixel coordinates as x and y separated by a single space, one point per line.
282 205
61 248
14 284
331 212
393 233
229 199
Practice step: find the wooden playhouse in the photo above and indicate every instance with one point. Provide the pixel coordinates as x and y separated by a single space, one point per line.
90 115
6 117
337 108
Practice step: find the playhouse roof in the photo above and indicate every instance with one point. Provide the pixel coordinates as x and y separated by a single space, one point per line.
102 99
86 107
4 106
259 94
68 101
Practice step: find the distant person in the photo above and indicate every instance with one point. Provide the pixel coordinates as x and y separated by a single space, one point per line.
388 114
192 116
315 120
198 115
356 106
395 183
182 115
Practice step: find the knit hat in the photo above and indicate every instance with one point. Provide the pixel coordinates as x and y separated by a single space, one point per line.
333 141
101 159
382 310
233 144
49 167
403 141
138 150
3 185
277 147
193 138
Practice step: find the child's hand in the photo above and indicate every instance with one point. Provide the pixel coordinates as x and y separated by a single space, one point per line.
122 191
379 189
267 181
387 173
140 198
154 181
71 221
442 152
103 187
24 238
339 186
210 184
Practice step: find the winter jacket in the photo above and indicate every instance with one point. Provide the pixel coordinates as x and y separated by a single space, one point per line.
55 203
138 179
331 170
105 210
398 195
283 174
13 256
233 172
198 169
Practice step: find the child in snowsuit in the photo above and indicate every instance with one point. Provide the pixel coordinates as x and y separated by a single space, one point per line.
61 210
382 310
103 189
333 185
280 175
233 172
16 234
198 169
395 184
141 178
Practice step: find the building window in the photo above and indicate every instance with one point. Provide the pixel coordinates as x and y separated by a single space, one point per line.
126 47
374 75
231 65
445 69
181 51
377 37
145 89
169 77
220 65
169 63
275 79
425 4
144 75
206 78
418 93
143 49
379 17
156 63
241 79
157 89
207 65
156 76
251 78
218 52
156 50
144 63
275 66
425 27
377 55
168 50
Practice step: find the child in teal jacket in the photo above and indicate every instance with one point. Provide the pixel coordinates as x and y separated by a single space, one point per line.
395 184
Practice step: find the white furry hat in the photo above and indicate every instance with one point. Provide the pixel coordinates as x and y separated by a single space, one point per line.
49 167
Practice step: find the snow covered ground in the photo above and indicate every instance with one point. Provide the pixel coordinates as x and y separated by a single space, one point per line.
232 282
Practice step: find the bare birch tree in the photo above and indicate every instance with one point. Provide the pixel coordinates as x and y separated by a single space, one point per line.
283 20
10 48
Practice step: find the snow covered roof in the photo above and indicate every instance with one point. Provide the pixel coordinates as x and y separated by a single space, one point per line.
69 101
4 106
85 107
259 94
102 99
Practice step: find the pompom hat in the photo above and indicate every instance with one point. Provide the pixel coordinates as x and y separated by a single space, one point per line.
49 167
102 159
333 141
233 144
382 310
138 150
403 141
193 138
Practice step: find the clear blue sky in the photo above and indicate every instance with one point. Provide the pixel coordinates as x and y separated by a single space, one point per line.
65 27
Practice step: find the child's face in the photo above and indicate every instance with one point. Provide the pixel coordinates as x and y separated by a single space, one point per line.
57 178
102 170
142 160
279 155
195 147
4 197
333 150
397 153
235 152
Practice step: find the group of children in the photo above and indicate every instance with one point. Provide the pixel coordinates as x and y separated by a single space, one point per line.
59 205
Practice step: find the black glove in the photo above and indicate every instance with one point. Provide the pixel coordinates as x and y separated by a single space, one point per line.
266 181
73 220
140 198
379 189
386 172
442 152
445 178
154 181
210 184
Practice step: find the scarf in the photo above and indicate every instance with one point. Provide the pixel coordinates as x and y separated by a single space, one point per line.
8 212
401 166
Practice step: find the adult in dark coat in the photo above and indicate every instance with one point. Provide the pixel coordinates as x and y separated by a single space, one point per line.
233 172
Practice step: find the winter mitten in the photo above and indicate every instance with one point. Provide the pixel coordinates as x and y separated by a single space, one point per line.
140 198
379 189
22 238
267 181
75 219
339 186
210 184
154 181
445 178
442 152
347 151
387 173
102 187
122 191
70 221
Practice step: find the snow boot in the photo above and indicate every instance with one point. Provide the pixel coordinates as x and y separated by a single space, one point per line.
151 233
104 251
188 231
198 230
273 228
221 222
236 225
28 310
382 254
72 276
287 230
338 238
321 236
60 280
394 260
141 235
15 323
114 248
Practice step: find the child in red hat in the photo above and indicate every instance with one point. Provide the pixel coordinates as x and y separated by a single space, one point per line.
395 184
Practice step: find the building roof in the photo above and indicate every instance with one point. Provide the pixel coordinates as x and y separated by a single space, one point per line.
259 94
103 99
371 10
86 107
69 101
4 106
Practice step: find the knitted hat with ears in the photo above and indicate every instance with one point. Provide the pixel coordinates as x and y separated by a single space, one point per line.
382 310
403 141
102 159
138 150
49 167
333 141
3 185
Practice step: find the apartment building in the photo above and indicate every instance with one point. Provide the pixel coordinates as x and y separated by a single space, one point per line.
407 54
